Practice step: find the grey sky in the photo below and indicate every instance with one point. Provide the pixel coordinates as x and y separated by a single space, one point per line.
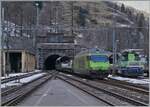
140 5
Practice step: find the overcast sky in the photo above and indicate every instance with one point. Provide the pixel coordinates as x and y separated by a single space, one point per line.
140 5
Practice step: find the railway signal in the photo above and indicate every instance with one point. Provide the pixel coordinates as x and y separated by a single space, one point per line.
38 4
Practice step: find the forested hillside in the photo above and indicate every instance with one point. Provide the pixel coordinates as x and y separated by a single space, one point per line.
92 23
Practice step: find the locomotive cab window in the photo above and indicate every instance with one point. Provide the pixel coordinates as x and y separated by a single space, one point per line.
98 58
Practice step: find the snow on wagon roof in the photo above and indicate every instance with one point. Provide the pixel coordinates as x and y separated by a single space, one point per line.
94 50
129 50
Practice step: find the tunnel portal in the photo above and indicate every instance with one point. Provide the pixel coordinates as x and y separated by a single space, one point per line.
49 63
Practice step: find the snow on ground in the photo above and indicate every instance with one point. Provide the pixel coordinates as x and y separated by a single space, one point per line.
19 74
131 80
26 80
22 81
13 74
123 25
69 75
12 83
37 70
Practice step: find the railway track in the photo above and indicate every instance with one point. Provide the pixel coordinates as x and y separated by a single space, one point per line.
129 84
12 89
5 80
13 96
126 85
107 96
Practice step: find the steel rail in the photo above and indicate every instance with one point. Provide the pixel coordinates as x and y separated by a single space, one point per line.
121 97
125 85
18 95
131 84
107 102
5 80
11 90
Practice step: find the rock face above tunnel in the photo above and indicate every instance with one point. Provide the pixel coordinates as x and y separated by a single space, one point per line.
55 38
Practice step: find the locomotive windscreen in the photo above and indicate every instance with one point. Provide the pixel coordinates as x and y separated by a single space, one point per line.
99 58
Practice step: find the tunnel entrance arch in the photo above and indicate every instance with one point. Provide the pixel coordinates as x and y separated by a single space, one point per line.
49 63
45 50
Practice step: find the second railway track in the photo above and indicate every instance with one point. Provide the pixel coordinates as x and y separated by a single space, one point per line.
5 80
125 85
108 96
13 96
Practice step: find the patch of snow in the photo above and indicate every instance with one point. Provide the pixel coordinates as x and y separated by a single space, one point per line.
13 74
16 74
10 84
84 79
3 77
123 25
37 70
28 79
19 74
131 80
22 81
69 75
28 36
75 42
80 35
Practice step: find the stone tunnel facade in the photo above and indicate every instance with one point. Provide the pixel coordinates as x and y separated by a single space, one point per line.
47 49
54 44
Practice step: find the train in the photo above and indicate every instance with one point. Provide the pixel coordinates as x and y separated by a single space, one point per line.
63 65
91 63
129 64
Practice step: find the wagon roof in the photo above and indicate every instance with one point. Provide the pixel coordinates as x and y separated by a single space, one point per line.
94 51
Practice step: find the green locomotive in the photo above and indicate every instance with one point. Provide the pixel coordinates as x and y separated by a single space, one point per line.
130 64
92 63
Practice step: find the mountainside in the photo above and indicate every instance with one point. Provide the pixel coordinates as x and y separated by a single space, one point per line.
91 22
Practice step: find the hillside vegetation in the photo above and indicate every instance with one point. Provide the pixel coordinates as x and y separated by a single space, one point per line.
93 21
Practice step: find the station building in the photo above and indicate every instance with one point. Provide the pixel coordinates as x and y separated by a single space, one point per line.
18 56
19 61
